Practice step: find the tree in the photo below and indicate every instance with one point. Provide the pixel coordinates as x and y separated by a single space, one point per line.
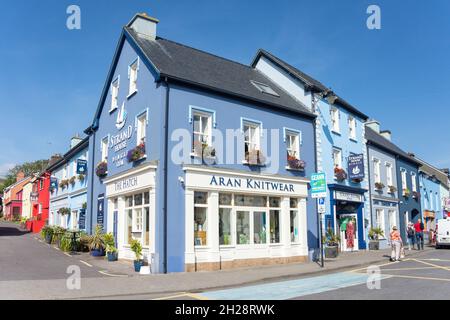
28 168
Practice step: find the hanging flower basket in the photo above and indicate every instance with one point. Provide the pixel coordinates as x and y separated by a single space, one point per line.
379 186
81 178
255 157
64 211
137 153
340 174
295 163
102 169
64 183
406 193
392 189
72 180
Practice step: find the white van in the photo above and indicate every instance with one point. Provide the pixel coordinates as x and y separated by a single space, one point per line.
443 233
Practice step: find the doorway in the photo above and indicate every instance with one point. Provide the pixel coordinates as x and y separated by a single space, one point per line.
343 222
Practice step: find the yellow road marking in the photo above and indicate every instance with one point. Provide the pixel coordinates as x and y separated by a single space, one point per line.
378 265
432 264
197 296
419 278
181 294
113 275
406 269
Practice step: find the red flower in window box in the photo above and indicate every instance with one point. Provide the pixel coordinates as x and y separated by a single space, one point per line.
340 174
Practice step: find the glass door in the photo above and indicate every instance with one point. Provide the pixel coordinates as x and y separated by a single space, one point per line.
348 226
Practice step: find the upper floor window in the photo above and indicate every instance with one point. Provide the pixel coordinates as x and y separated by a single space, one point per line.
114 94
337 158
352 127
293 144
141 123
431 201
202 127
414 182
389 175
41 184
251 136
105 149
335 120
404 182
133 75
376 170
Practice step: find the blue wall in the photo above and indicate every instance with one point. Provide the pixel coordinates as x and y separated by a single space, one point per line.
430 198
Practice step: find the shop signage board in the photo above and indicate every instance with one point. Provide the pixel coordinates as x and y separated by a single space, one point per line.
53 183
318 185
347 196
100 210
81 166
82 220
356 166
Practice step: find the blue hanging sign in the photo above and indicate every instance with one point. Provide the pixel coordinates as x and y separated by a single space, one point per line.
356 167
82 220
81 166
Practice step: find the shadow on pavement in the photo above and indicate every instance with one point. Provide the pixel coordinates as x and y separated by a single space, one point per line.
11 231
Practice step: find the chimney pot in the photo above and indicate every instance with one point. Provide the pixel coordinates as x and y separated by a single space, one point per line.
387 134
374 125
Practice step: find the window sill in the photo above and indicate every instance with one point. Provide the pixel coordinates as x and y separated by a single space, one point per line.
246 163
113 109
196 156
353 140
293 169
132 94
336 132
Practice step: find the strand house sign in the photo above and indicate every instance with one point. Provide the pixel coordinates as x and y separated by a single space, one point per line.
119 142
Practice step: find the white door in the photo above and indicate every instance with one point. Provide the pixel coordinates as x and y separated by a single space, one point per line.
343 234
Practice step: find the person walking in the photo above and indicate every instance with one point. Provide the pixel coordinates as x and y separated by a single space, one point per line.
419 227
396 243
411 234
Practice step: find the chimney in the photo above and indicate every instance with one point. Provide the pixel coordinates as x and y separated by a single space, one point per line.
387 134
53 159
374 125
74 141
20 176
144 25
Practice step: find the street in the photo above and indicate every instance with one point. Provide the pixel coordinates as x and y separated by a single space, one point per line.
31 269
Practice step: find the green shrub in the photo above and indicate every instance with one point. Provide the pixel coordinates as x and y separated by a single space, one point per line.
136 247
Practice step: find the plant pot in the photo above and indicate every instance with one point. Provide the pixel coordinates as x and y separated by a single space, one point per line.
48 238
331 252
138 264
374 245
112 256
97 253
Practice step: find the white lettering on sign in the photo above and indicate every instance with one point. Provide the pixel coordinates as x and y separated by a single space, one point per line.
251 184
120 142
349 196
126 184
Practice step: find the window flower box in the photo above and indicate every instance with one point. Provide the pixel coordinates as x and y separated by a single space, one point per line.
392 189
379 186
203 150
81 177
102 169
340 174
137 153
255 157
406 193
64 211
416 195
296 164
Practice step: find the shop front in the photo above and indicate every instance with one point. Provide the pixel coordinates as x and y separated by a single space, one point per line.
347 220
131 199
429 220
385 217
237 219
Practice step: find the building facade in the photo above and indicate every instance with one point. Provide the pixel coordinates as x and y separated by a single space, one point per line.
68 187
27 206
206 169
339 145
40 199
13 197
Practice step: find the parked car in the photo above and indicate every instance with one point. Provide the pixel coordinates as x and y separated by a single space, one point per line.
443 233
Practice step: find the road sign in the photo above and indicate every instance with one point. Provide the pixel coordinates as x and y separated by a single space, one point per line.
318 185
321 205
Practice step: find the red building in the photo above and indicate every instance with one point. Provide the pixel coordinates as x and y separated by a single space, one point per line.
40 201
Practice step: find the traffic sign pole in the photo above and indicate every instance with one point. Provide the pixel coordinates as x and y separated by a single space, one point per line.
319 192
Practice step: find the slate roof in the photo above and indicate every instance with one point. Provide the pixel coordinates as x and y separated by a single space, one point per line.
377 139
309 81
195 67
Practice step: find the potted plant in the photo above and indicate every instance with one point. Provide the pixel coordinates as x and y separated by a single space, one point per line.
58 233
340 174
102 169
111 250
294 163
136 247
47 234
64 211
23 222
85 241
331 242
392 189
255 157
379 186
137 153
374 238
97 243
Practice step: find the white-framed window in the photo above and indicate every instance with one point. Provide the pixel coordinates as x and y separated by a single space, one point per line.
392 215
64 175
379 216
115 94
201 218
389 174
293 143
404 182
376 170
137 209
414 182
352 127
104 149
74 219
294 220
337 158
141 127
202 129
335 123
132 76
252 135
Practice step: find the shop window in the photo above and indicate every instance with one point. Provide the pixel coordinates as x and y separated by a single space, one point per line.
294 221
132 76
259 228
379 216
114 94
74 220
250 201
200 218
147 226
202 127
392 214
225 199
137 208
274 226
141 127
225 234
243 227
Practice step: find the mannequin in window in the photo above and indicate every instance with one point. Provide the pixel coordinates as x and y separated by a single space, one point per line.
350 232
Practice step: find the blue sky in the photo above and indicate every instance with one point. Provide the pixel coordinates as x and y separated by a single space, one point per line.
51 77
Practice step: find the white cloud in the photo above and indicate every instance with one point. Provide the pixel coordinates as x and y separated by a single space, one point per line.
4 168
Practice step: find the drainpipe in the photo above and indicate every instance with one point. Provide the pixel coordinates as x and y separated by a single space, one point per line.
368 182
92 156
166 160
